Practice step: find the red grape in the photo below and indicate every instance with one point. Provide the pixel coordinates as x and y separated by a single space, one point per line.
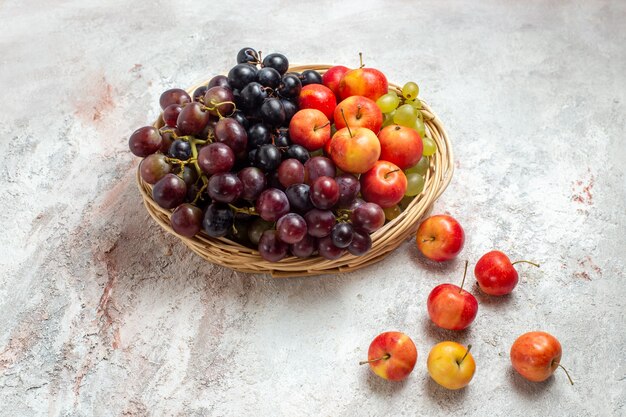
219 80
253 181
257 228
174 96
324 193
304 248
272 204
318 166
349 187
154 167
215 158
361 243
291 228
145 141
220 100
327 249
167 135
369 217
319 222
271 247
170 191
225 187
192 120
298 196
342 235
231 133
186 220
290 171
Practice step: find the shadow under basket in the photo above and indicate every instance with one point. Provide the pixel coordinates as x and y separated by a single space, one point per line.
230 254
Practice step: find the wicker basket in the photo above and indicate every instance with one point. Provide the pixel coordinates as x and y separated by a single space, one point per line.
225 252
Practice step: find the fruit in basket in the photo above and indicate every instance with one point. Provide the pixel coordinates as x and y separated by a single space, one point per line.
451 307
324 193
310 77
271 248
451 365
367 82
174 96
216 158
392 356
368 217
355 150
333 76
277 61
495 274
400 145
384 184
309 128
170 191
220 101
187 220
318 166
358 111
154 167
145 141
440 238
317 96
536 355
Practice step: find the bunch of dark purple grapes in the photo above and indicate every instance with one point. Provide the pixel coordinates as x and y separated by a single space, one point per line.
224 162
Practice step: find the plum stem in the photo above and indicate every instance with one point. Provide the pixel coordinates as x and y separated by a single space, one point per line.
566 373
344 119
464 275
382 358
528 262
469 347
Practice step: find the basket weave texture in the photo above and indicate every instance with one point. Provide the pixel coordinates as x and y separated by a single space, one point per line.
230 254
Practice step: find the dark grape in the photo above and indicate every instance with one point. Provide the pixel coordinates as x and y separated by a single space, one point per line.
290 109
310 77
298 196
154 167
324 193
304 248
349 187
190 176
291 228
282 138
180 149
186 220
368 216
198 94
354 204
240 118
268 77
197 196
220 101
342 235
257 228
231 133
319 222
272 204
271 248
215 158
258 135
277 61
145 141
174 96
361 243
167 137
318 166
272 180
225 187
247 55
241 75
273 112
253 181
218 220
267 158
290 171
252 156
327 249
170 191
290 86
192 119
239 231
298 152
219 81
252 96
170 114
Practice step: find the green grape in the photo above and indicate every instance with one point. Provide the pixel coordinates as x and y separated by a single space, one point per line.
405 116
430 147
410 90
388 119
388 102
419 126
420 168
404 203
416 104
415 184
392 212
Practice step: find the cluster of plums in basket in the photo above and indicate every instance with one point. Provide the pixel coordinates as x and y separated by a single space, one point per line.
392 355
286 162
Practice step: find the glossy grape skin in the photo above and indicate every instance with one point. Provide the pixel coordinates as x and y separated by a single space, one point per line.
240 118
198 93
430 147
192 119
215 158
421 167
267 158
170 114
299 198
361 243
180 149
218 220
252 96
170 191
354 204
277 61
310 77
415 184
282 139
219 81
349 187
239 231
273 112
190 176
318 166
241 75
304 248
392 212
271 248
247 55
298 152
290 109
328 250
174 96
220 101
405 115
256 229
319 222
258 135
410 90
388 102
369 217
272 204
324 193
187 220
290 86
167 137
225 187
291 228
154 167
342 234
145 141
229 132
269 77
290 171
253 181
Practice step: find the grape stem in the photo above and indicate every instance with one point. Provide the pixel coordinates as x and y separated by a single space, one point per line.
199 193
382 358
245 210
